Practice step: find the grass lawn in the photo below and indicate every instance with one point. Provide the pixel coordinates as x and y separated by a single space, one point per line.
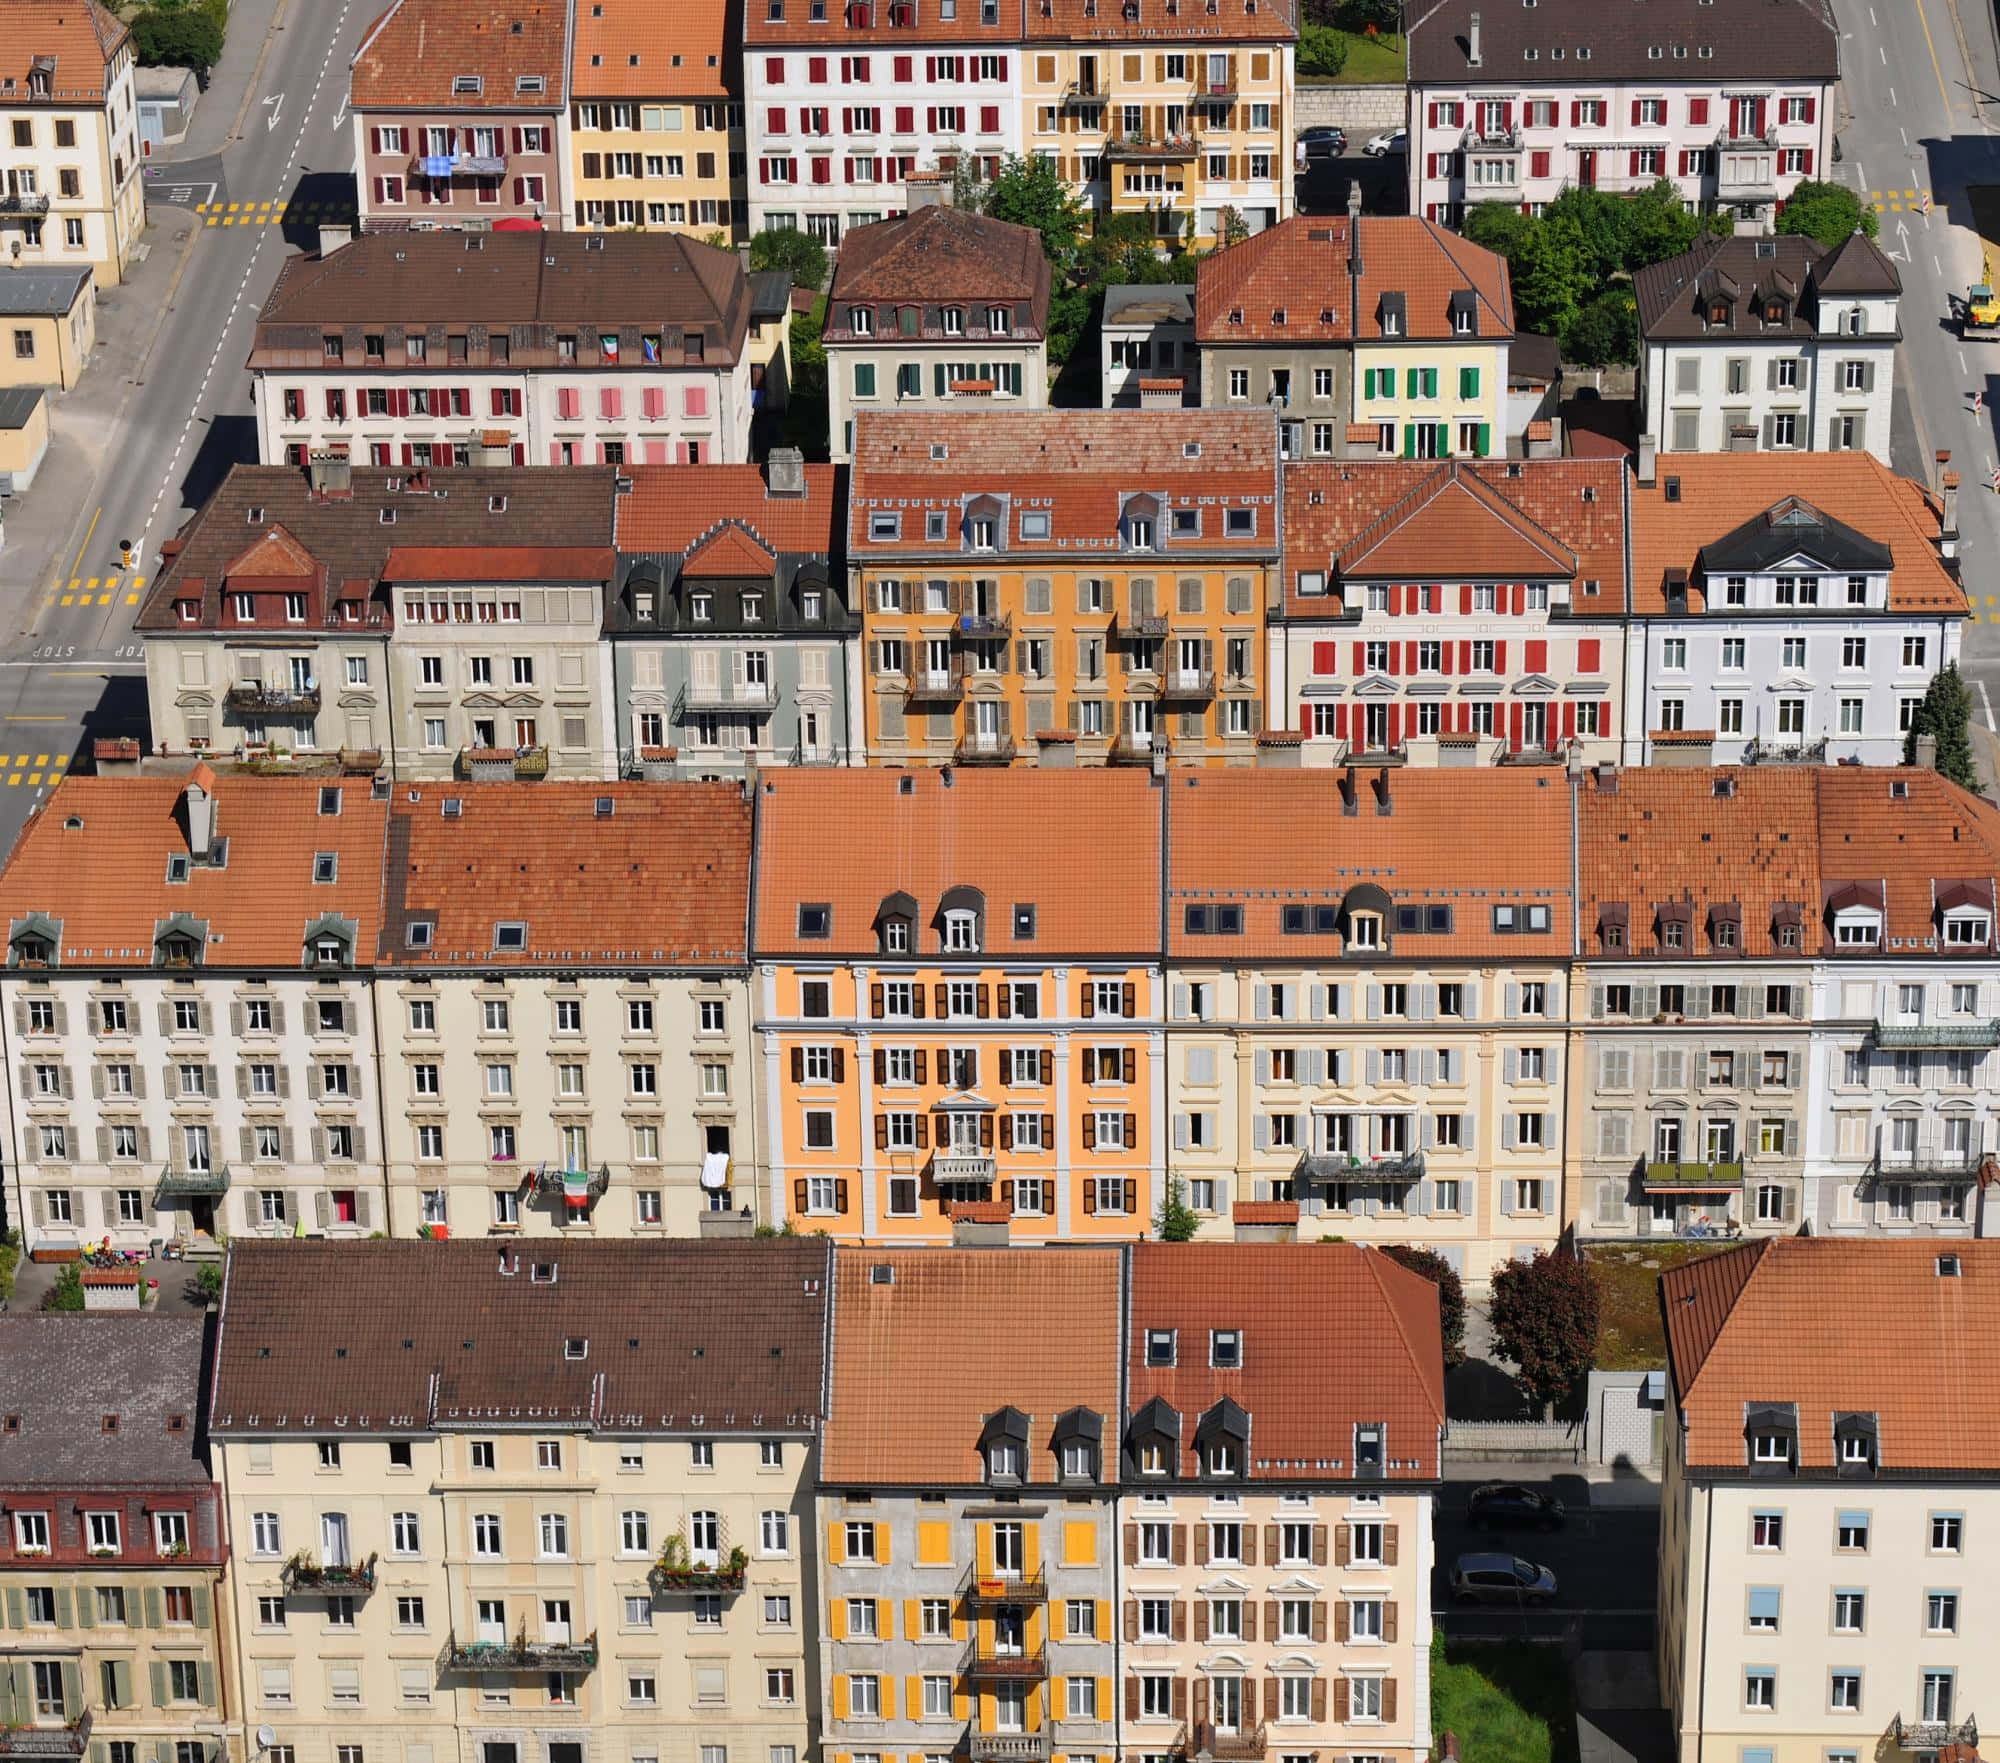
1507 1704
1629 1336
1371 61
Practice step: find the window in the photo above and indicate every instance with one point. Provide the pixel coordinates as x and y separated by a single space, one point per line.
1941 1612
1947 1533
1760 1687
1763 1608
1767 1530
1843 1689
1850 1611
485 1526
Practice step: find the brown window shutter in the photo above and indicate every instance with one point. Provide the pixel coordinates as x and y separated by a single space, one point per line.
946 1079
1089 1005
1131 1132
1389 1621
1319 1620
1180 1620
875 1004
799 1196
1090 1134
1048 1130
1200 1620
1131 1545
1132 1623
1319 1700
1089 1195
1200 1544
1250 1621
1342 1622
982 1000
839 1065
1270 1619
1271 1544
923 1066
1007 1195
1340 1702
1006 1132
881 1132
1201 1701
941 993
798 1065
986 1132
1388 1698
1131 1186
1180 1547
1180 1698
1006 1066
1129 1063
1389 1545
1090 1065
923 1132
840 1194
1271 1696
1249 1545
1004 1000
1048 1067
917 1000
1132 1695
1131 1000
881 1066
1319 1545
1340 1543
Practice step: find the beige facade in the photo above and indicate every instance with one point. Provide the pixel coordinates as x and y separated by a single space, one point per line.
664 161
50 324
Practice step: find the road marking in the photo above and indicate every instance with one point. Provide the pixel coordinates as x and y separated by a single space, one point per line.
1991 725
69 599
1892 94
1932 47
1871 15
131 599
1879 50
138 581
1936 267
78 564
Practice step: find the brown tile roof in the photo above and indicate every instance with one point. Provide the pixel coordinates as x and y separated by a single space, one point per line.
671 508
919 1362
81 37
1301 267
728 1339
1154 25
940 253
1773 42
1268 839
1301 1308
500 563
1023 837
1839 1327
1677 295
105 880
661 881
1370 519
636 283
544 505
1719 492
1076 463
798 30
66 1373
641 49
417 49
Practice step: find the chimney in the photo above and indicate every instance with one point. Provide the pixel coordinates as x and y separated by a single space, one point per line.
1573 762
331 474
1607 778
1472 42
1926 753
743 254
785 472
1381 787
199 798
1348 802
1354 228
334 238
1649 452
926 189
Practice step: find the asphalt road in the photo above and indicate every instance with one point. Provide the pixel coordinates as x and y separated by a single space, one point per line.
1604 1560
1921 92
219 222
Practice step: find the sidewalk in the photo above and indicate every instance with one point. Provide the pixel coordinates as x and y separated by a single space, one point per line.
1593 1484
214 124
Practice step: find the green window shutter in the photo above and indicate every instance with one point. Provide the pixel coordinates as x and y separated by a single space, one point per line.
1468 382
205 1676
11 1713
65 1608
72 1684
1367 383
1409 440
1412 381
99 1751
156 1672
17 1616
121 1682
153 1616
1430 382
864 379
937 378
201 1606
1485 440
86 1606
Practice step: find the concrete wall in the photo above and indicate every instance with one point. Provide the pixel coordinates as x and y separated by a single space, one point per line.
1360 110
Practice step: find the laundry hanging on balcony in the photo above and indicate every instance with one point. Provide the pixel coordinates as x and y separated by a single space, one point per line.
576 1188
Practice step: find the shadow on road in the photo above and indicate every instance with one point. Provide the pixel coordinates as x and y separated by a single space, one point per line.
1480 1390
229 440
318 197
120 710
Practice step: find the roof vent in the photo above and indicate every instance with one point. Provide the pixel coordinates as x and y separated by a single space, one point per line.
881 1274
1590 492
604 807
1947 1266
576 1347
253 516
1673 489
939 451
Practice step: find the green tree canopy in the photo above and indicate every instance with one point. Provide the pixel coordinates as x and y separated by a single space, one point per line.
1946 712
183 37
787 248
1656 225
1826 212
1499 226
1032 193
1553 275
1322 49
1451 1294
1175 1222
1545 1320
1606 331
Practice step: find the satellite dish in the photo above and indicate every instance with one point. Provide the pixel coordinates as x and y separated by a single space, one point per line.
266 1737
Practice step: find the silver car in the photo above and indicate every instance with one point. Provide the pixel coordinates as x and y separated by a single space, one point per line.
1501 1579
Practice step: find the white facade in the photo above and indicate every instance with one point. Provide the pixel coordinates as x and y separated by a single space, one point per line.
72 193
832 137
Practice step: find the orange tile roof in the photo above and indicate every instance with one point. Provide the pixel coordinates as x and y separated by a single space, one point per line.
729 552
1077 464
1155 26
82 37
922 1360
797 30
1839 1327
1477 520
414 52
642 49
1023 837
1301 1307
105 879
663 880
1265 1212
1268 839
671 507
1426 265
1914 844
1720 491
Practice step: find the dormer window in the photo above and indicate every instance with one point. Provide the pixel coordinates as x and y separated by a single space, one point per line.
1225 1348
1139 533
1077 1440
1153 1458
1364 931
896 936
982 532
861 321
1003 1461
1219 1458
961 933
1370 1449
1968 929
1772 1432
1855 1441
1079 1461
1857 928
1718 313
1771 1447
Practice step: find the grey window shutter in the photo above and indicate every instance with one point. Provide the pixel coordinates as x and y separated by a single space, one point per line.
1506 1197
1430 1135
1180 1000
1548 1132
251 1218
1469 996
1318 1003
211 1081
1513 999
287 1145
1428 1070
1429 995
1374 1002
1512 1063
1374 1067
242 1079
246 1141
1425 1191
1262 995
1180 1132
1507 1131
1260 1132
156 1670
1315 1066
1791 1138
1262 1065
277 1016
1597 1000
317 1140
362 1208
236 1020
284 1081
322 1201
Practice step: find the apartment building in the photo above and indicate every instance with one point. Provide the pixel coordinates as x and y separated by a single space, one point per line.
1293 1528
456 113
1696 1059
1514 106
935 308
1146 339
1824 1511
940 1025
1755 344
190 1051
113 1553
970 1562
1064 587
73 196
844 102
1456 613
1350 1025
654 133
1181 115
733 640
506 348
1376 337
585 1534
565 1036
1786 607
444 622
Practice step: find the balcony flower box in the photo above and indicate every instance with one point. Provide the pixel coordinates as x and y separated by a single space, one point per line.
674 1572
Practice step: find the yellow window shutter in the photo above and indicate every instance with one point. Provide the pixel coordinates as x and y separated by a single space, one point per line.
961 1708
958 1630
983 1533
835 1539
840 1698
1104 1632
887 1691
836 1618
933 1543
1031 1548
885 1617
913 1698
882 1544
1104 1698
1079 1543
1058 1622
912 1619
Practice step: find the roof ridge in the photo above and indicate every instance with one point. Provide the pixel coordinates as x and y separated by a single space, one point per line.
1445 242
1755 1250
1369 1254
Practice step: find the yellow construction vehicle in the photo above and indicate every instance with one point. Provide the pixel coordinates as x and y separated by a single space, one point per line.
1982 309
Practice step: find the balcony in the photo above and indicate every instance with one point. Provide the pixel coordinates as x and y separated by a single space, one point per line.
254 698
996 1591
1928 1161
984 749
1156 149
446 165
984 1662
303 1574
1728 139
1383 1166
676 1572
1478 139
67 1739
1785 753
1936 1735
1080 92
1667 1176
936 686
1246 1742
970 626
1139 748
737 697
804 755
972 1166
579 1188
1008 1747
1138 627
18 204
1932 1036
497 764
518 1657
191 1184
1187 685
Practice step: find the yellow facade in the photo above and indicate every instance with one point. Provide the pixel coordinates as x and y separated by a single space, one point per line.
659 163
1443 400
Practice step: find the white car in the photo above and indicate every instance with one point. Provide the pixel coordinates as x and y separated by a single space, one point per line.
1397 141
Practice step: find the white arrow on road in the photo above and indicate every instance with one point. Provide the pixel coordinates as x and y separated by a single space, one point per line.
275 103
340 115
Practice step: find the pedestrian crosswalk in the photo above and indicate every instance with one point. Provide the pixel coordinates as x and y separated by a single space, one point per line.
33 769
275 213
1900 201
95 590
1985 608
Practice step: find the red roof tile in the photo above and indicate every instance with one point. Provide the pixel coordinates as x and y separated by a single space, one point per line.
1265 1212
641 49
727 553
671 507
80 36
416 52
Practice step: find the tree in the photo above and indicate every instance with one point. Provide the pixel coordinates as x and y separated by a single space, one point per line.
1451 1294
1498 226
787 248
178 38
1322 49
1175 1222
1552 275
1656 225
1545 1320
1946 712
1826 212
67 1292
1606 332
1599 220
1032 193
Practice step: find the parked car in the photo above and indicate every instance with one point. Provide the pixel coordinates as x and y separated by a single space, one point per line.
1322 141
1499 1503
1394 141
1501 1579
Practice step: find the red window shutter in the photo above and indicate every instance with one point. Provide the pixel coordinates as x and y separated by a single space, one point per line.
1757 126
906 123
1812 109
1395 650
1465 599
816 70
1576 113
1635 113
1635 161
1395 598
1569 722
1446 657
778 119
375 140
1465 653
850 171
1536 659
905 69
1806 162
1587 651
1395 726
1340 721
517 140
1514 728
1538 165
763 171
846 120
1003 75
1499 657
1305 719
409 456
520 191
1520 598
1360 659
1697 110
1434 113
1506 117
1326 658
1430 164
930 70
774 70
1409 658
989 119
520 453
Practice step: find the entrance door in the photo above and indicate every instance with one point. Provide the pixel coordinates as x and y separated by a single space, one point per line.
201 1214
1586 168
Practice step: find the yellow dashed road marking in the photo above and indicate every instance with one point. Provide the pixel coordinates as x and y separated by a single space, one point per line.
131 599
60 760
34 777
69 599
138 581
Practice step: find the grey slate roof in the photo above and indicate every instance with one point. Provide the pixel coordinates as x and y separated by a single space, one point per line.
681 1336
40 293
1673 293
17 404
1792 528
64 1374
1770 40
1149 303
770 294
